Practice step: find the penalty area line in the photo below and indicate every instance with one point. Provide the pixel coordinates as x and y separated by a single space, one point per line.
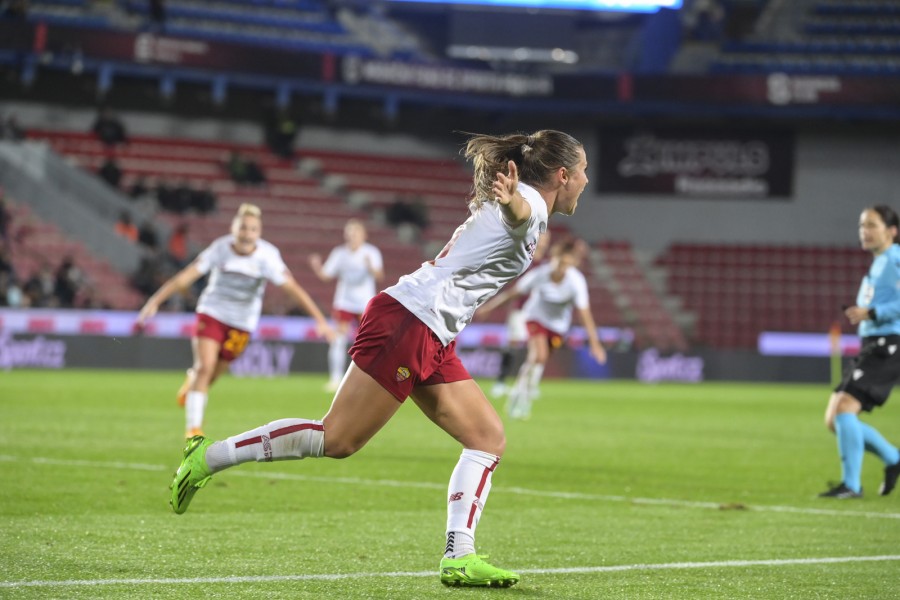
721 564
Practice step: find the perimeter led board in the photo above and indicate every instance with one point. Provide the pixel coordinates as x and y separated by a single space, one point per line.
636 6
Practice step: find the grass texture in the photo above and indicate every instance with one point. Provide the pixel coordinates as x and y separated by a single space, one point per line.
610 490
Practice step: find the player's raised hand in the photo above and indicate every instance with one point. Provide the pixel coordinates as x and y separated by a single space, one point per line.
505 186
599 353
856 314
146 313
326 331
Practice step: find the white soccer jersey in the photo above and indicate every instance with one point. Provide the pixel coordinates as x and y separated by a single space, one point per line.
483 255
551 302
355 282
236 284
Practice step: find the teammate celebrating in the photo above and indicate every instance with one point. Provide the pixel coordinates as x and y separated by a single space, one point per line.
405 344
872 374
516 330
357 266
239 265
555 289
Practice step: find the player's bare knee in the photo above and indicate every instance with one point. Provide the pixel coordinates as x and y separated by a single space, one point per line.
203 373
498 440
499 446
847 404
492 442
340 448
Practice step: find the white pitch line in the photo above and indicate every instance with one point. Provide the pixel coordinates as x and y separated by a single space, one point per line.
562 571
439 486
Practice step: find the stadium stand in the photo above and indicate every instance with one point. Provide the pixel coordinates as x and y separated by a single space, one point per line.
376 182
309 25
304 209
33 243
307 202
737 291
630 295
300 216
818 37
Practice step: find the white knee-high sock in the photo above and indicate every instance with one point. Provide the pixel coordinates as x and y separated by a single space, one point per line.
194 407
469 487
518 395
524 377
284 439
337 357
534 378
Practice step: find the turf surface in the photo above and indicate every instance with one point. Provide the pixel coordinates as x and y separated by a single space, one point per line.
610 490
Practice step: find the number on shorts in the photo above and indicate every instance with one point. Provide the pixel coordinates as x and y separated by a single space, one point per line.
236 342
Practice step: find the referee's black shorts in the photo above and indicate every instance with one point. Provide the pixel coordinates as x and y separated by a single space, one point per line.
872 374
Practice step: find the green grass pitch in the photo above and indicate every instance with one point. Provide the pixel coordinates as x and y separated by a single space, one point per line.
610 490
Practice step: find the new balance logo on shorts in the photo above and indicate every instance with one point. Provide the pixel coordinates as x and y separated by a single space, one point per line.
455 496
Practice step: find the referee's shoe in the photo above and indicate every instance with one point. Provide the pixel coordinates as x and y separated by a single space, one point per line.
891 473
842 492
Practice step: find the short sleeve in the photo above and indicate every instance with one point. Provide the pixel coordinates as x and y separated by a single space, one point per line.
274 268
377 260
538 217
528 281
581 292
333 263
206 259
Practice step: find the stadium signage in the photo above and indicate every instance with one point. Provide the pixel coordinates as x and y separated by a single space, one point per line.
720 164
636 6
357 70
651 367
481 362
38 352
150 48
261 359
62 46
120 324
790 343
798 89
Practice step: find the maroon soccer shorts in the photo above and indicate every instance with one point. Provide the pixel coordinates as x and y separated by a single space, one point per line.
400 352
343 316
554 340
232 341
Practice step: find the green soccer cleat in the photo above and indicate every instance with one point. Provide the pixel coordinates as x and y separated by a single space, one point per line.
471 570
192 474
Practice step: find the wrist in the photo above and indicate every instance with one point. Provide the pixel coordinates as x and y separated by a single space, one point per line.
872 315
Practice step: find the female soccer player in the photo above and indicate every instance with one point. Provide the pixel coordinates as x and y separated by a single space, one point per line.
516 330
870 377
239 265
405 344
555 289
356 265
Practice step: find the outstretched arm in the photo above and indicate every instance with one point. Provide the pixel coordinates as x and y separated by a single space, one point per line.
515 209
498 300
597 350
376 272
301 297
177 283
315 263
